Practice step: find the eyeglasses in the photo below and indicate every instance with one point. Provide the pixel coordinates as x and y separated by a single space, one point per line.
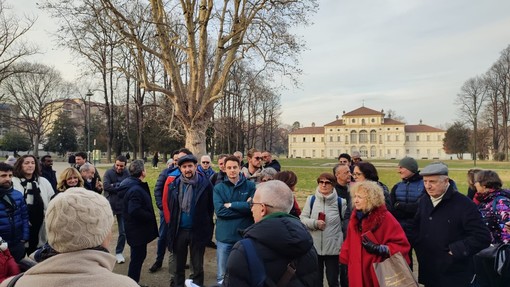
261 203
324 182
206 162
258 158
357 174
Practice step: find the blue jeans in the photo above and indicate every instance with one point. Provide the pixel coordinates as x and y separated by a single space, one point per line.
121 242
222 253
162 239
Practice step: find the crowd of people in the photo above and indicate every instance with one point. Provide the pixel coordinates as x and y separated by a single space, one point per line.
263 237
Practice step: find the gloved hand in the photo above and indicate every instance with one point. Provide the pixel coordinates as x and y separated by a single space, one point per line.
378 249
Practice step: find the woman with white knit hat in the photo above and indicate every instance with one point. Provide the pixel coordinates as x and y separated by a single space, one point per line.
78 226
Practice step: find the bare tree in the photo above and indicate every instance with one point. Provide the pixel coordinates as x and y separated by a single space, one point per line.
12 46
217 35
471 100
33 94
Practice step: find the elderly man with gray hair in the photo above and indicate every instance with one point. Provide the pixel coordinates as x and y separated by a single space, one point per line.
447 231
279 239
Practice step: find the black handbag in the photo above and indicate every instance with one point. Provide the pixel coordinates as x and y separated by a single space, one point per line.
500 255
502 260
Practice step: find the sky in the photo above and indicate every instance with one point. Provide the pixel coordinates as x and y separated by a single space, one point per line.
410 56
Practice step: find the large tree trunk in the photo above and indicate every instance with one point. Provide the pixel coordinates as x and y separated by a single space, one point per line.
195 136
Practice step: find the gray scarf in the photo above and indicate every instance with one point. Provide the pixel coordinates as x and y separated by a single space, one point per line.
186 192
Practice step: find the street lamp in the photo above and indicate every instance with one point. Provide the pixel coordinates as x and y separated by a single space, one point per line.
89 95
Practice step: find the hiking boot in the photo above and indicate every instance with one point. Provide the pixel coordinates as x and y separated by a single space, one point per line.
155 267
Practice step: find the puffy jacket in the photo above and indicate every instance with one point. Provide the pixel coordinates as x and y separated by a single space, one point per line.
278 238
404 200
238 216
14 225
111 184
329 240
203 209
139 218
495 210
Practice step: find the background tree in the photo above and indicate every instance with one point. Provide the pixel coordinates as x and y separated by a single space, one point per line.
33 92
15 141
12 46
216 38
456 140
62 137
471 99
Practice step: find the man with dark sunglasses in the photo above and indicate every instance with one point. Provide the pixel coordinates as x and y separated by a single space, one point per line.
251 172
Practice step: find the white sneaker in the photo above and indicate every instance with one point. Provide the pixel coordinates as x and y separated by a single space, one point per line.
120 258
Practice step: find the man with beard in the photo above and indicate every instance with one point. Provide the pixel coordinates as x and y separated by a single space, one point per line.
112 179
252 171
14 226
191 219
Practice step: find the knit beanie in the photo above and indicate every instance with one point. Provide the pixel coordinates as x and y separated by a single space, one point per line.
409 163
78 219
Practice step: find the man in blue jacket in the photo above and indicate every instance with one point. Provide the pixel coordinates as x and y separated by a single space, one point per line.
14 227
231 204
190 204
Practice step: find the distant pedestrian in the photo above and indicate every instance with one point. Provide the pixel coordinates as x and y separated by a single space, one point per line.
155 160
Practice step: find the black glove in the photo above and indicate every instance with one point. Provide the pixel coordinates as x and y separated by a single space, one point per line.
378 249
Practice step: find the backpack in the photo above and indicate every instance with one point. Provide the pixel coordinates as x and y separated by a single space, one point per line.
257 270
341 209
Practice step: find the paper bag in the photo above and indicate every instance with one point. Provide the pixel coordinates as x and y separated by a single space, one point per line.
394 272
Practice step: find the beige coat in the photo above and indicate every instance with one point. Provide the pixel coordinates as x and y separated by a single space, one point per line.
85 268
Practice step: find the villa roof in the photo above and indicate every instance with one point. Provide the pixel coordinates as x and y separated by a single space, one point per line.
363 111
421 128
335 123
388 121
308 130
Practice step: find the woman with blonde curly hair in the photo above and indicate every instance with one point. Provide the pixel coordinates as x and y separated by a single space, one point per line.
70 177
373 235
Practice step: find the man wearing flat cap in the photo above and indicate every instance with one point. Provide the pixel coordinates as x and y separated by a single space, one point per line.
191 219
447 231
405 196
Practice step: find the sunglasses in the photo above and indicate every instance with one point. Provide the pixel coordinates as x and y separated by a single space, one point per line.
206 162
258 158
324 182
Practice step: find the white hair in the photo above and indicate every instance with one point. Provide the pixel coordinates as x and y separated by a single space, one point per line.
277 194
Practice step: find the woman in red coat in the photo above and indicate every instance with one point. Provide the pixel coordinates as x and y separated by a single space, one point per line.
373 235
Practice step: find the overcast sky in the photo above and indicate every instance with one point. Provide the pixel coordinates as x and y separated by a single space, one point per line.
411 56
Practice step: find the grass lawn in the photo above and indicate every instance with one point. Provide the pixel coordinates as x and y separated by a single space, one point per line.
307 171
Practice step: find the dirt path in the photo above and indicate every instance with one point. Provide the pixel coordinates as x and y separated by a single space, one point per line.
162 277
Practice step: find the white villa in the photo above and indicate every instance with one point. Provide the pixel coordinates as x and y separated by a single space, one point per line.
369 132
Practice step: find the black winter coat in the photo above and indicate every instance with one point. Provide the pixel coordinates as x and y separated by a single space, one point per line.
278 239
139 218
455 225
111 187
203 225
